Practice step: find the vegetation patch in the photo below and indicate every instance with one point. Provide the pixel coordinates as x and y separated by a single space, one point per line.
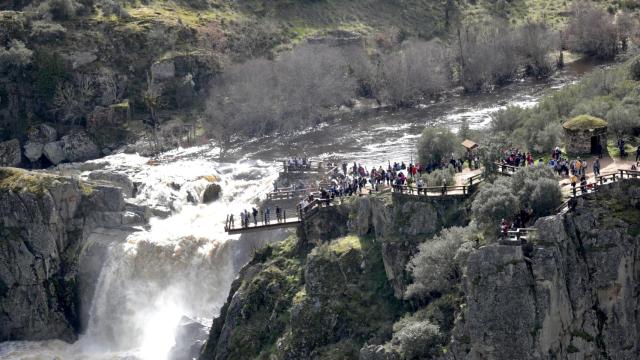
584 122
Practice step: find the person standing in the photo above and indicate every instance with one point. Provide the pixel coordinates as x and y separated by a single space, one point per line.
638 154
574 181
596 167
254 212
231 221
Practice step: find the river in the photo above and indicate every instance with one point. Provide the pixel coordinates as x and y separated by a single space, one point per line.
183 265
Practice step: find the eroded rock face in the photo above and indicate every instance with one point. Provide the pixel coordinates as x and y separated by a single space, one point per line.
43 222
10 154
401 225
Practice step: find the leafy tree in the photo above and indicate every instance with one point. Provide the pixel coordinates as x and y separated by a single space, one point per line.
439 177
437 144
545 197
16 55
622 120
493 203
50 71
435 267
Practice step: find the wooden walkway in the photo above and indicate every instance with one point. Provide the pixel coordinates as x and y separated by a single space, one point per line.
515 237
442 191
287 221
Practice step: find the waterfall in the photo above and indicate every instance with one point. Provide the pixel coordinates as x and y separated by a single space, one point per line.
179 266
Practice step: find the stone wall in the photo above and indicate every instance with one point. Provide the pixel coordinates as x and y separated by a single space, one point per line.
579 141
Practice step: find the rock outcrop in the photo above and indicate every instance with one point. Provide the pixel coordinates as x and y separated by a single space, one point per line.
44 222
10 154
401 225
570 293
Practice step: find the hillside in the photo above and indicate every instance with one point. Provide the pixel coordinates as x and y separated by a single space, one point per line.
120 70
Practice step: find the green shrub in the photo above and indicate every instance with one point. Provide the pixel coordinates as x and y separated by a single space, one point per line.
439 177
634 69
418 340
16 55
435 268
437 144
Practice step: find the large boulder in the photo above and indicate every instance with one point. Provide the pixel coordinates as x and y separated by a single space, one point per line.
33 150
10 154
190 337
54 153
78 146
42 133
211 193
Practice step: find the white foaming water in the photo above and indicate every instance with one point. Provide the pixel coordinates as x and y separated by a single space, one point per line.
181 265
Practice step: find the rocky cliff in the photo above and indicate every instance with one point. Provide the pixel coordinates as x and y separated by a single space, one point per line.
45 222
570 293
326 292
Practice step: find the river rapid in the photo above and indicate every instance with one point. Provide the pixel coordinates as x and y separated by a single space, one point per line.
182 266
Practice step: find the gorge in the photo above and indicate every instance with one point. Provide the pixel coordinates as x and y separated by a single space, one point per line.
141 279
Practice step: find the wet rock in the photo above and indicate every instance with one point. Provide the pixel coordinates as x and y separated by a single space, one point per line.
42 133
54 153
190 337
119 180
211 193
33 151
78 146
10 154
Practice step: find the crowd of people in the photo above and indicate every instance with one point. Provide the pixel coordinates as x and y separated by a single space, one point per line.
560 164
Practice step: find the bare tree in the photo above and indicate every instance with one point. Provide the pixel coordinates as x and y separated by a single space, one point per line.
418 69
111 86
73 99
152 99
265 96
591 31
535 44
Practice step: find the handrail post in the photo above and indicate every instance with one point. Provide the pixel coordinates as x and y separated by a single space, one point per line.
464 190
